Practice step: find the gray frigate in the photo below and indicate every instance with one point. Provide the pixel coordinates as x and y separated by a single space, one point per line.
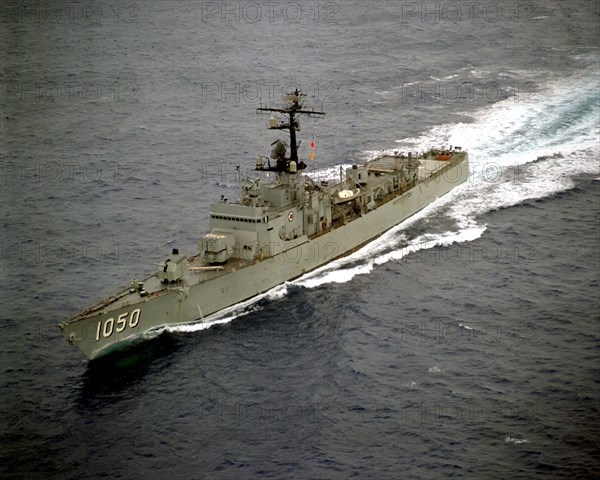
278 230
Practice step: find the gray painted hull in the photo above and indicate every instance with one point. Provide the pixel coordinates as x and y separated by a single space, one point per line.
96 334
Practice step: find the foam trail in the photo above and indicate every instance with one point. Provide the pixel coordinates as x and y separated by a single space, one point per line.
504 138
561 119
336 273
222 317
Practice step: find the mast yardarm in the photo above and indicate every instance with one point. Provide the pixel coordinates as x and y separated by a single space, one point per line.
292 111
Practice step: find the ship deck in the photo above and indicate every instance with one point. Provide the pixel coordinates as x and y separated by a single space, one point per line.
200 271
429 166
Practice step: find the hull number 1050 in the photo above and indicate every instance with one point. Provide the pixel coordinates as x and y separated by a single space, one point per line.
109 325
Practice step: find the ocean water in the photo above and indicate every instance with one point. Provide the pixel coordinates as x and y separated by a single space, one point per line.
461 344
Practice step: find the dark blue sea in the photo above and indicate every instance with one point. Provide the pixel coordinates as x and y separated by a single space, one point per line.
464 343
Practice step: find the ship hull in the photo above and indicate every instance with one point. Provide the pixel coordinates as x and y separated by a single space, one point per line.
102 332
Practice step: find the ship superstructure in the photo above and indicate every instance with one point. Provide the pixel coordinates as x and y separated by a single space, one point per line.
276 231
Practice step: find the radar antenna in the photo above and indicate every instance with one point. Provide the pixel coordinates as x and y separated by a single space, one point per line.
292 111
